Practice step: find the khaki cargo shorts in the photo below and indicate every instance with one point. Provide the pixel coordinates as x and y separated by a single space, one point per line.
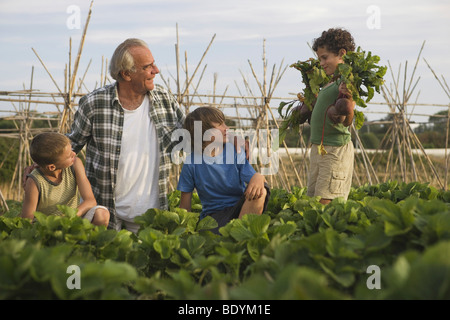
330 175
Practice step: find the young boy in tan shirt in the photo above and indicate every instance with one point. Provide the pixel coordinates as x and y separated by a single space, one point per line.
59 179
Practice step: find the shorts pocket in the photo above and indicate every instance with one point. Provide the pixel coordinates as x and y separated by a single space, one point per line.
337 181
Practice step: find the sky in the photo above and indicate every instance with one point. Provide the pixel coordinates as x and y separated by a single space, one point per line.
393 30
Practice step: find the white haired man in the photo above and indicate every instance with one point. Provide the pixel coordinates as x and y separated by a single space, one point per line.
126 128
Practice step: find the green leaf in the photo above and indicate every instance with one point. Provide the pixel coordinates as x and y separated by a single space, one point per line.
359 119
206 223
282 105
67 211
195 243
396 220
197 207
258 224
240 233
346 279
163 248
344 69
255 247
370 93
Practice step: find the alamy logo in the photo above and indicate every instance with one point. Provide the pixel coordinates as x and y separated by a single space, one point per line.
73 21
374 281
73 281
374 19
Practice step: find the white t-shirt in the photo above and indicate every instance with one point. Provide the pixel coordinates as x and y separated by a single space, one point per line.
137 187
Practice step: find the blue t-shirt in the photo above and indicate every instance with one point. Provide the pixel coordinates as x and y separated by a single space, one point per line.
220 181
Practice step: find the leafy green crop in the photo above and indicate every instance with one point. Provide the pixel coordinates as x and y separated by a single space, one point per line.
363 76
314 78
298 249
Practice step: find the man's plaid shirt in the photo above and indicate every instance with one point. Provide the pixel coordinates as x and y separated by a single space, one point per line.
98 125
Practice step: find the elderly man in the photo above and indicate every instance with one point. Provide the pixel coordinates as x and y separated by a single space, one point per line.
126 128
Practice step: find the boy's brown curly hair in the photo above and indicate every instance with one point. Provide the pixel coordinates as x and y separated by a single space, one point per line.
335 39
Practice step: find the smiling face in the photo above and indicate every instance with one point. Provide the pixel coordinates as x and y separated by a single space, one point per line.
329 60
146 70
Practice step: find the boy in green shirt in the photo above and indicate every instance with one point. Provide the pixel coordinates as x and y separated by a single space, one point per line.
332 151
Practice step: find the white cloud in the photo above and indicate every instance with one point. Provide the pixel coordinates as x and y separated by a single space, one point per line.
25 7
152 35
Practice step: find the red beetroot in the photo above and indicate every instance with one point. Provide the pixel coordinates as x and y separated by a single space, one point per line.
344 107
334 116
303 113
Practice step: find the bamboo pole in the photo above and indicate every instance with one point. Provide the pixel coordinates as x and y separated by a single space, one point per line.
187 83
68 109
198 65
446 89
3 203
48 72
177 55
367 164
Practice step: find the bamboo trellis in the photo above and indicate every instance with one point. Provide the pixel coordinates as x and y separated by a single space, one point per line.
400 138
252 111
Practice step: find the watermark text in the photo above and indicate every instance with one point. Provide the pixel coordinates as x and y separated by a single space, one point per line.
74 280
197 148
74 20
374 19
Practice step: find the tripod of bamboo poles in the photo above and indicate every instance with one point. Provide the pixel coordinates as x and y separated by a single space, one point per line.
183 96
65 117
446 89
400 139
23 120
25 135
262 113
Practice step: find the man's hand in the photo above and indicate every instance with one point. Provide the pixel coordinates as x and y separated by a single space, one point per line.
26 172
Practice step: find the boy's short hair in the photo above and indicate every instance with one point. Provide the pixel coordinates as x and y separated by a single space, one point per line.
46 147
208 116
335 39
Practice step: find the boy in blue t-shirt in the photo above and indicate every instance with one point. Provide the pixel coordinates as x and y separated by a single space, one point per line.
226 183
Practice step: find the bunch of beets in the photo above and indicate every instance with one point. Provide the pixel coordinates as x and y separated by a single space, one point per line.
339 112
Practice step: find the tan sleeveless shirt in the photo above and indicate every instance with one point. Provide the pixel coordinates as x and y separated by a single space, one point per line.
52 194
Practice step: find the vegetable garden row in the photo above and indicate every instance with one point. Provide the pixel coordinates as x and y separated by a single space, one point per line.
387 241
